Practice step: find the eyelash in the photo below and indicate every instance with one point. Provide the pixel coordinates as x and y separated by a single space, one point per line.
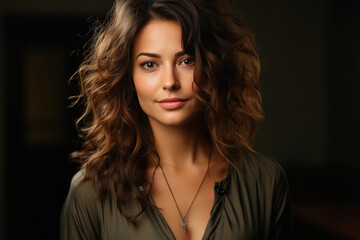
146 64
191 61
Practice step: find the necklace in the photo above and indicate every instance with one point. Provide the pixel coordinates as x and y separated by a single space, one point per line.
184 222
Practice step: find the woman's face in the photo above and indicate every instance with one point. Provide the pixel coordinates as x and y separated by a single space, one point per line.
163 74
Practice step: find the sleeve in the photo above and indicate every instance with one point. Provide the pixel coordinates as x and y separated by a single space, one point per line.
281 218
79 218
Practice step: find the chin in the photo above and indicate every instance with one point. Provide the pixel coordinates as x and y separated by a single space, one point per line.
174 121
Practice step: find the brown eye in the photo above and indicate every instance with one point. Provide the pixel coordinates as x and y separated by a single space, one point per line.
148 65
187 61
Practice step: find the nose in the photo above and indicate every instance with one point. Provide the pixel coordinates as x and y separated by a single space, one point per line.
171 81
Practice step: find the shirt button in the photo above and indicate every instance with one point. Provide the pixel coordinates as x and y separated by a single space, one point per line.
141 188
221 191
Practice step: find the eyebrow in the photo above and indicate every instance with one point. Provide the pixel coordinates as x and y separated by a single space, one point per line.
149 55
154 55
179 54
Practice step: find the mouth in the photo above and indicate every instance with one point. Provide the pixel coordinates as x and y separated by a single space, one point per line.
172 103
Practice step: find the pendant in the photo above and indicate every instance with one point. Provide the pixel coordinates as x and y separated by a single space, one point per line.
183 223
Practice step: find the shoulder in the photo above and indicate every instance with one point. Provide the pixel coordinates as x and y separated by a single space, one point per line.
82 196
262 180
82 190
258 165
262 173
261 184
80 213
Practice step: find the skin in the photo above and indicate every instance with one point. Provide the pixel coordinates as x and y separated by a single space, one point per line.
161 70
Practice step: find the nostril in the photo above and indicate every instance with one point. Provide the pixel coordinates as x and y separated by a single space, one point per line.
171 85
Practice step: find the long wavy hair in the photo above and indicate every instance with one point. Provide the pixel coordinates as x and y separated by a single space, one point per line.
117 138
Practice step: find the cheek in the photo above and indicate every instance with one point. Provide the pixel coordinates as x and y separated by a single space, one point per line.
142 95
145 87
194 87
188 81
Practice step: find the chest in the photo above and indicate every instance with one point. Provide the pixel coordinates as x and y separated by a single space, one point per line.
238 211
188 199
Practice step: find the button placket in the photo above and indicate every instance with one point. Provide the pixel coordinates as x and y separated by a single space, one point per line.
221 190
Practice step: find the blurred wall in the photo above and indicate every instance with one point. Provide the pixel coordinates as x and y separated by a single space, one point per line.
311 70
310 74
66 8
291 36
2 127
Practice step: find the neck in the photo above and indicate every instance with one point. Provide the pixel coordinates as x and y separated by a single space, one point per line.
180 146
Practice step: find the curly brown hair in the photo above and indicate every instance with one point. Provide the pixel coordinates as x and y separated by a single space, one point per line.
117 138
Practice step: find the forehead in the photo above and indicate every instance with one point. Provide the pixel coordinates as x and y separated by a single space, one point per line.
158 35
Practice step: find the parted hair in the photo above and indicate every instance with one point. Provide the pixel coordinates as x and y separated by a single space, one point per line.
117 140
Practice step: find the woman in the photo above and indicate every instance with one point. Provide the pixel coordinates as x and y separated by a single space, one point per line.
172 103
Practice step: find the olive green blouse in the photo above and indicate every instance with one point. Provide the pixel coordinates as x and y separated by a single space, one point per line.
253 205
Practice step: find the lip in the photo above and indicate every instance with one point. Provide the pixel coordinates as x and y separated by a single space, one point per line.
172 103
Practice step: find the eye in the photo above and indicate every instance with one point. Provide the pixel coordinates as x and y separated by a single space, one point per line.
148 65
187 61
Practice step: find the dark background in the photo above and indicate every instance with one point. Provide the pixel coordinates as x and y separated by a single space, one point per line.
310 74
